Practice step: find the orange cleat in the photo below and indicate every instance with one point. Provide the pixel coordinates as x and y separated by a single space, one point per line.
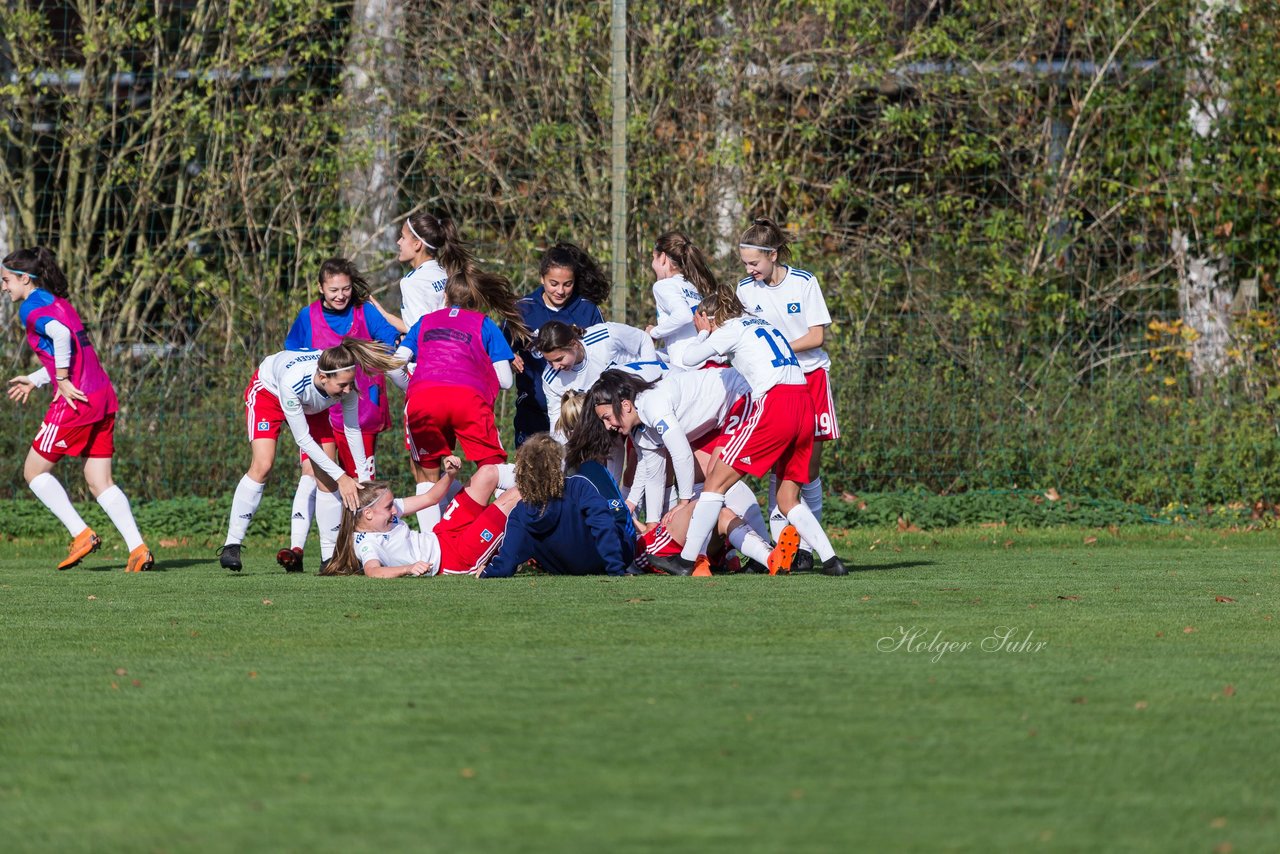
702 567
85 543
785 551
140 559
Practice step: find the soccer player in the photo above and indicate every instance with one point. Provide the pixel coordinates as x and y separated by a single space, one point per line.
345 309
776 433
791 300
81 418
571 289
683 277
299 388
432 245
375 541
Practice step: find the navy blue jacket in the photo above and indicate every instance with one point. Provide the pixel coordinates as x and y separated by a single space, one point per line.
573 535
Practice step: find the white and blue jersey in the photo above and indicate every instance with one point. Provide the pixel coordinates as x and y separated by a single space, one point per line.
792 306
422 291
606 345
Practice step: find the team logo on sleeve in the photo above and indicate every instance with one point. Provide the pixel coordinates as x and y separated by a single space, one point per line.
486 535
292 404
793 308
615 504
661 427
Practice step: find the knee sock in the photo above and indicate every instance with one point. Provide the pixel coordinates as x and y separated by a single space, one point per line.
53 496
116 503
428 517
702 524
244 504
328 520
777 520
741 500
506 478
750 544
304 508
811 495
810 530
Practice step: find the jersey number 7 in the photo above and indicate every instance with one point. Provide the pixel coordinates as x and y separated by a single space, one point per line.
783 357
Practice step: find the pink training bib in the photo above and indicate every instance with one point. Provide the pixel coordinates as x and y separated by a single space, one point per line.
451 352
375 413
86 372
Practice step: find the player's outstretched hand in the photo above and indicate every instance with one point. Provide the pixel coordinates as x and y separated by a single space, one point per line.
20 388
450 464
348 489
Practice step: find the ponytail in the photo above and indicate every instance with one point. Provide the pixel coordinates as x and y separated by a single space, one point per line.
572 404
722 306
589 279
371 356
439 237
41 266
342 267
476 290
765 235
688 259
556 335
344 561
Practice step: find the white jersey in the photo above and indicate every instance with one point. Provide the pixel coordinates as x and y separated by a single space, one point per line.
793 305
400 546
676 300
422 291
755 348
683 406
290 376
607 345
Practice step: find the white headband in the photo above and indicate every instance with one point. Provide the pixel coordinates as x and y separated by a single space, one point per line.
414 232
337 370
757 246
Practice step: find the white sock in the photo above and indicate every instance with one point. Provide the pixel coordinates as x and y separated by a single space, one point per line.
244 504
811 531
777 521
116 503
304 508
53 496
750 544
506 478
811 495
328 520
742 501
427 517
702 524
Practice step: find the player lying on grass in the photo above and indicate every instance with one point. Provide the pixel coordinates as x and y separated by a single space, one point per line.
375 540
665 539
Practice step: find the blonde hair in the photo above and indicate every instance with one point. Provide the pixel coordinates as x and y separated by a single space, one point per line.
372 356
572 402
540 471
344 560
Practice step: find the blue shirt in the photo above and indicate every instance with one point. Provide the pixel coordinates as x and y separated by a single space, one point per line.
38 298
490 336
299 337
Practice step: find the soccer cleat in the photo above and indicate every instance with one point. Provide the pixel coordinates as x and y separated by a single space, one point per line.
673 565
702 567
85 543
754 567
803 561
140 559
290 559
229 557
834 566
784 552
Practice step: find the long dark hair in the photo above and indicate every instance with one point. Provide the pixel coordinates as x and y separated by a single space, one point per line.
589 279
556 335
765 232
615 386
440 238
590 441
476 290
342 267
689 260
40 265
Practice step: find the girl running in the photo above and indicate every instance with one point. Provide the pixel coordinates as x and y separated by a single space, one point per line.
572 288
684 276
375 541
81 419
776 434
563 523
345 309
461 361
300 388
791 300
576 357
431 244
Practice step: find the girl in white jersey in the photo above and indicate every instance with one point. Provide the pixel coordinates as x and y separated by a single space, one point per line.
683 278
299 388
791 299
576 358
776 434
432 246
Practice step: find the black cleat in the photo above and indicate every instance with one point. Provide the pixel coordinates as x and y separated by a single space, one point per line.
803 561
290 559
324 564
834 566
754 567
674 565
229 557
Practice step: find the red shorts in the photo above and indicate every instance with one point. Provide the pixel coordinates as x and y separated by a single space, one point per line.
437 418
55 441
344 452
776 435
720 437
264 417
469 534
825 425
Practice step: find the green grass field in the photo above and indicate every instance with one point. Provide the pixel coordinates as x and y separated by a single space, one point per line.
191 709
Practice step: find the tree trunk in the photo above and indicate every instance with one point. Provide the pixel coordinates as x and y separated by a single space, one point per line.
726 191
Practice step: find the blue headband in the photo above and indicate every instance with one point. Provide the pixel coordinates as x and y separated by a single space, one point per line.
20 272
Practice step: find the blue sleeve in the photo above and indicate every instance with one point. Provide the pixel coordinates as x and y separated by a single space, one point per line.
593 317
39 298
600 522
379 328
495 343
299 337
410 340
514 550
